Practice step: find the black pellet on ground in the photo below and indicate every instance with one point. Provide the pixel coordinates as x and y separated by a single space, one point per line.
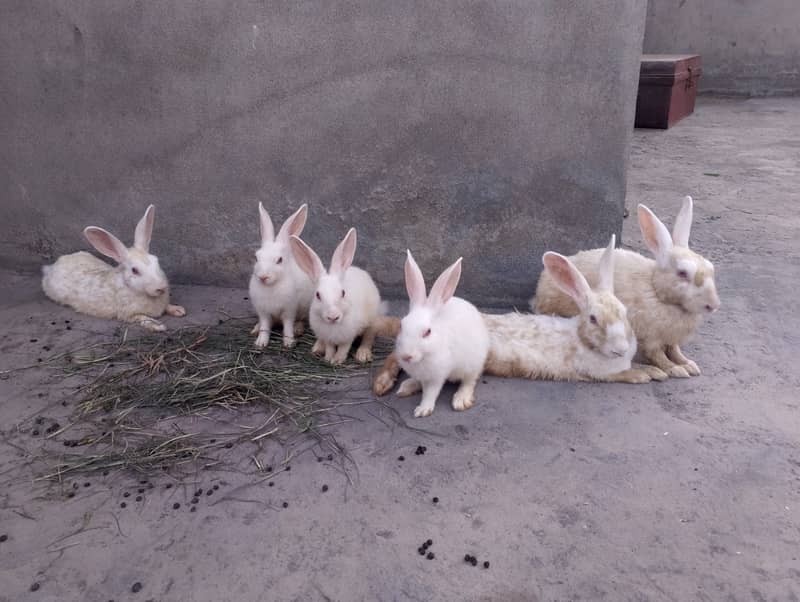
431 556
39 420
35 586
143 482
228 445
194 509
168 486
34 340
213 441
216 487
288 468
429 543
136 587
3 538
195 500
105 473
210 492
198 493
126 494
138 498
35 433
87 484
474 561
572 449
421 551
401 458
269 468
436 500
324 488
330 457
271 484
69 327
320 459
285 504
123 505
175 506
71 494
467 558
486 564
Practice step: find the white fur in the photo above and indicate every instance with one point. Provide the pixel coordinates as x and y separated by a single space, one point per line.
442 338
664 300
346 302
577 348
279 290
136 290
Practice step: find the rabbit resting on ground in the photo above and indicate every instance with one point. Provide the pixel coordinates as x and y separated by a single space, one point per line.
135 290
666 298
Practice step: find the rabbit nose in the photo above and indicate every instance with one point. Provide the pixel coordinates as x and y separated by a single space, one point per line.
712 308
333 319
264 279
407 358
161 291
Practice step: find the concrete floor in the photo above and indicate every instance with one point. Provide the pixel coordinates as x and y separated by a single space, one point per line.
683 490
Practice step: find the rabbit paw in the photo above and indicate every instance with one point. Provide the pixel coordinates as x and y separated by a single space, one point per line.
423 410
655 373
288 343
410 387
263 339
318 349
363 355
463 400
176 310
691 368
383 383
677 371
299 328
254 329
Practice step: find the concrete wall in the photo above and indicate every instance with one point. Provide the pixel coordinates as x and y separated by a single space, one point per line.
492 130
748 46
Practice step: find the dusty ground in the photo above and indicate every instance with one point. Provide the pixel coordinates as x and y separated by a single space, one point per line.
684 490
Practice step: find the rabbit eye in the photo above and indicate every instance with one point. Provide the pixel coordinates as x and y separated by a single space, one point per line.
342 293
318 297
279 260
135 271
683 274
593 319
426 334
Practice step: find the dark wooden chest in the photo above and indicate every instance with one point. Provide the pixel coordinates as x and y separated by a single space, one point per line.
667 89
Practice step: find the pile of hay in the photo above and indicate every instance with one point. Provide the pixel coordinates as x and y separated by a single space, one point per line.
152 403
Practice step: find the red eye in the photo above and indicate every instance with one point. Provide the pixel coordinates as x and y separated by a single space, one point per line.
279 260
683 274
593 319
342 293
318 297
135 271
426 334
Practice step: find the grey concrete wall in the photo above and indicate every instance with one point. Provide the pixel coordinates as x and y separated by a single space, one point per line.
748 47
492 130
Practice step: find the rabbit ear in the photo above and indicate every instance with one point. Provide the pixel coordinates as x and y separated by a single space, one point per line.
656 236
305 257
294 224
105 242
415 283
344 253
567 278
445 286
683 224
144 230
605 272
267 230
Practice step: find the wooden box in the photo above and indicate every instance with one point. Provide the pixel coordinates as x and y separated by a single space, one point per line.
667 89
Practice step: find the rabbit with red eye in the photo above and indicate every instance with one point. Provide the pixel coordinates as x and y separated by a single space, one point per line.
279 289
346 303
442 338
136 290
666 298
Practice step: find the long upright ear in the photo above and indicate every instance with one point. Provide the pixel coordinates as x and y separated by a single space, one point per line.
344 253
105 242
683 224
656 236
305 257
445 286
605 270
267 230
567 278
294 224
144 230
415 283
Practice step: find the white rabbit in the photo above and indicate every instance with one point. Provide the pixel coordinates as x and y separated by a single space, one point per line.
666 298
136 290
598 344
346 302
279 289
443 338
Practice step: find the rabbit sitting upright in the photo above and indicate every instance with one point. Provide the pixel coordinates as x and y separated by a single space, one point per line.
443 338
136 290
